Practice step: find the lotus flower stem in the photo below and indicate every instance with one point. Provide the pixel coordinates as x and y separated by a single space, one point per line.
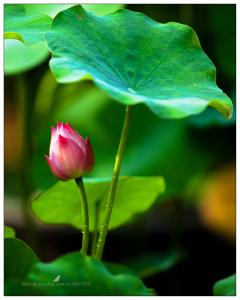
85 215
96 222
113 185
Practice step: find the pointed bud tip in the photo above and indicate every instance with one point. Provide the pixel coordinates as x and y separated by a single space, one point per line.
62 140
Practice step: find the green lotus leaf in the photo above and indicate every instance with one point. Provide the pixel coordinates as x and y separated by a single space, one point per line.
225 287
9 232
19 58
76 274
152 263
70 274
27 28
136 60
18 259
102 9
61 203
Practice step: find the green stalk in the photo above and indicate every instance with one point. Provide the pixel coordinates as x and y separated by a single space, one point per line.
113 185
85 215
95 232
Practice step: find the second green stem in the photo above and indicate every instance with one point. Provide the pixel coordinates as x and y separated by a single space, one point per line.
85 215
113 186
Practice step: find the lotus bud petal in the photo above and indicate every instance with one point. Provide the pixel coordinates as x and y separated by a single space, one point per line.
70 155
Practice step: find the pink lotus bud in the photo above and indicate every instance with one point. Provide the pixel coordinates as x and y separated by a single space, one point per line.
70 155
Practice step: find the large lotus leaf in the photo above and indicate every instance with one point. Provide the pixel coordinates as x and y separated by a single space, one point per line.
27 28
225 287
75 274
102 9
20 58
61 203
136 60
211 118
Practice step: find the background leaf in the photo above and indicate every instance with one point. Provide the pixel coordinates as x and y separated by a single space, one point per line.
225 287
9 232
28 28
19 58
91 277
93 46
61 203
50 10
53 9
18 259
153 263
27 48
70 274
